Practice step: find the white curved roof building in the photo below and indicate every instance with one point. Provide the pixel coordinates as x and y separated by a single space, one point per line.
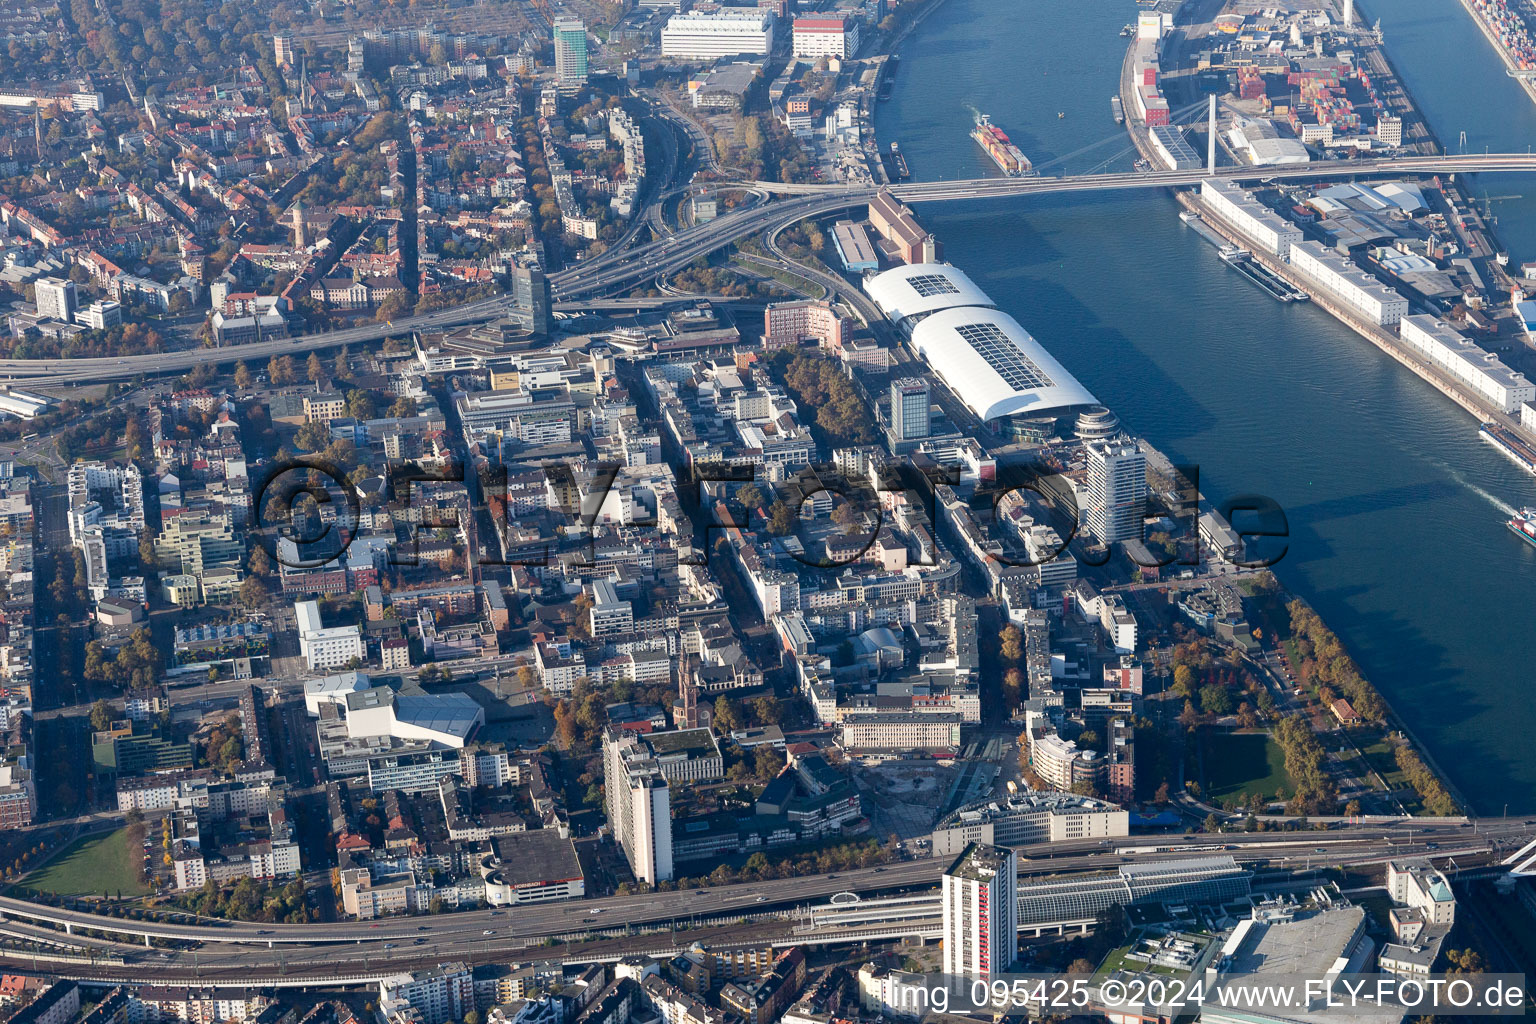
919 289
994 365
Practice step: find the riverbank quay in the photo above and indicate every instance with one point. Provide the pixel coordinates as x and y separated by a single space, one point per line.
1526 78
1384 340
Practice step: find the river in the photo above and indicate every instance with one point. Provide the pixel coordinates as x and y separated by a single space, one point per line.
1396 508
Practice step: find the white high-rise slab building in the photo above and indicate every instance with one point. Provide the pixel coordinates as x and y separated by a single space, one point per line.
55 298
981 911
1117 490
639 807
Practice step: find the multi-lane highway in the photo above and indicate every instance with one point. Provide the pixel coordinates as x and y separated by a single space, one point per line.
755 912
625 267
1360 844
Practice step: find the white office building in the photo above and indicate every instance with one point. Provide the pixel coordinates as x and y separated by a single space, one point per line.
981 911
1458 356
1029 817
1050 555
1261 226
1347 284
640 811
100 315
639 806
609 616
55 298
1422 886
726 32
324 648
817 36
1117 490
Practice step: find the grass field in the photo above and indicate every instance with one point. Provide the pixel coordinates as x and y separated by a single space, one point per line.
91 866
1383 757
1243 763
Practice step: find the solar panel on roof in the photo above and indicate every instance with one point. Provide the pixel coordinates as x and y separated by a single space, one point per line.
1018 370
929 285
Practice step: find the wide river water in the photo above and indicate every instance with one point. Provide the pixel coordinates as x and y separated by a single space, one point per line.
1396 508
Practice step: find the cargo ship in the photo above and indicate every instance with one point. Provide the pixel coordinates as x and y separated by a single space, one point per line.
885 79
1009 158
1515 448
1117 109
1523 525
1242 261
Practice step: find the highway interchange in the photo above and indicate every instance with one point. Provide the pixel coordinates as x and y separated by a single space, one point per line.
626 266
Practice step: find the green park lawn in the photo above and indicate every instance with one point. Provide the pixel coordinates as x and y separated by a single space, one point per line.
91 866
1383 757
1241 763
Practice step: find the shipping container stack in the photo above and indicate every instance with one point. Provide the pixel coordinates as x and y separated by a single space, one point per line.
1510 28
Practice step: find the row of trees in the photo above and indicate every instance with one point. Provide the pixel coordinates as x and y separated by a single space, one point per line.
1010 653
1426 783
67 593
137 832
1315 793
123 340
1327 668
843 857
282 370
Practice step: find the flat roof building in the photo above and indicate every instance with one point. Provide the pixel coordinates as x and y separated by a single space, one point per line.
1348 284
1029 818
570 35
726 32
854 247
1262 227
1169 143
443 719
1321 945
323 647
1458 356
532 867
901 731
822 36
